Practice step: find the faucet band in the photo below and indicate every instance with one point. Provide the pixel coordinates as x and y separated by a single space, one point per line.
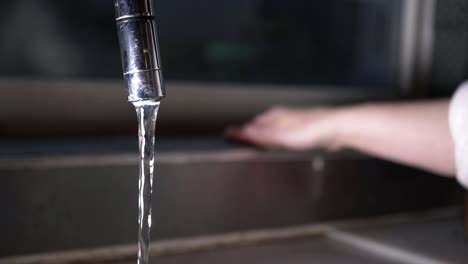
139 50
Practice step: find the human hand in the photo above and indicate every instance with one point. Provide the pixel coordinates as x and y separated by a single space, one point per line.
289 128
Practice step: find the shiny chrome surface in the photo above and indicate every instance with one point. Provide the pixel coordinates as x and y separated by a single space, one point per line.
139 50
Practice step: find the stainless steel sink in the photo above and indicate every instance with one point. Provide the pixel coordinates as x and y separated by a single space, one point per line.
430 237
55 202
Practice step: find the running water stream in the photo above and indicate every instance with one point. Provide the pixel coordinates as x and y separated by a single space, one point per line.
147 113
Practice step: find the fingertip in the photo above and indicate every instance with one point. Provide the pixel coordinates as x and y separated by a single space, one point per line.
231 131
236 133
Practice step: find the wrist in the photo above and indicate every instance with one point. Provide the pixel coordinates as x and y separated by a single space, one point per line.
345 122
337 135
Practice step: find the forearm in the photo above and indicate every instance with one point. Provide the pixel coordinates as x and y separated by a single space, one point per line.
415 134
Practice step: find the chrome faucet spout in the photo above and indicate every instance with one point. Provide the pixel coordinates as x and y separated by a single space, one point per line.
139 50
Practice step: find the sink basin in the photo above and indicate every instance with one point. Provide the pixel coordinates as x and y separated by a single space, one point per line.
56 202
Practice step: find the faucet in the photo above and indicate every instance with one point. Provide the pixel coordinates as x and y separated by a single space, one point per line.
139 50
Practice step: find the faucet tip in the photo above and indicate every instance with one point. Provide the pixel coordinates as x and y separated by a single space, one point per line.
139 50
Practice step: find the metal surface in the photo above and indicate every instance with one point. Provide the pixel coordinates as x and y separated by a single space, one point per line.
412 239
417 40
436 239
139 50
429 237
86 114
87 206
318 250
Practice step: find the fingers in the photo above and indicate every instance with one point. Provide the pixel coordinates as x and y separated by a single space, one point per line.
265 130
295 129
268 116
236 133
262 136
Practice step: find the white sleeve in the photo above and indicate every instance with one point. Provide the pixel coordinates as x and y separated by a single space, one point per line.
458 121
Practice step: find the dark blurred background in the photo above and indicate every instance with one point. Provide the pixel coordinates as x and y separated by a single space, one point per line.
256 53
66 130
253 53
298 42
